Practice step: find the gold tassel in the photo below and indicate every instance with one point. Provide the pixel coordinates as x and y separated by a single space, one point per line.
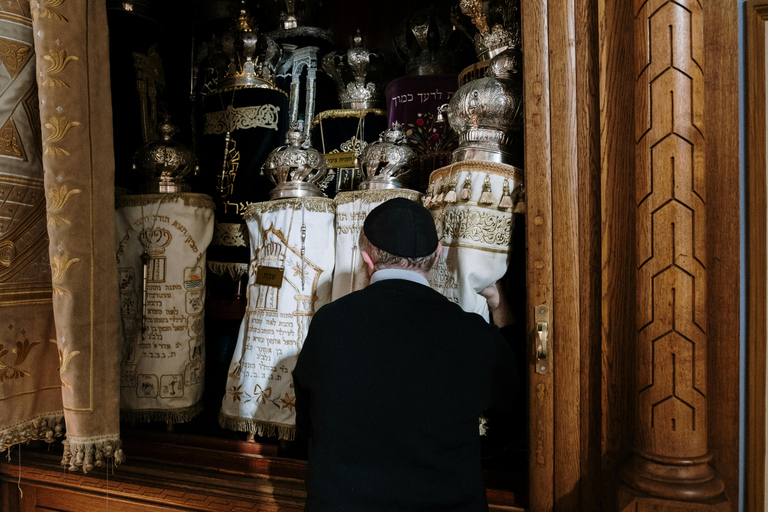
440 199
427 199
506 198
435 191
450 196
466 189
520 200
487 196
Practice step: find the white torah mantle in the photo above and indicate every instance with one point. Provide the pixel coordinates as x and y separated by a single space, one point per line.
472 203
289 278
352 208
161 243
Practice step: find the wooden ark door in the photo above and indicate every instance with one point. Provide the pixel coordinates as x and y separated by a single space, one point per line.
563 242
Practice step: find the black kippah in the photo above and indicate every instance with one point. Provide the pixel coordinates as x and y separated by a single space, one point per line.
401 227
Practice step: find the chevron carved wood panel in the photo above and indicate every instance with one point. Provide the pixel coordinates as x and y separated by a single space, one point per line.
671 231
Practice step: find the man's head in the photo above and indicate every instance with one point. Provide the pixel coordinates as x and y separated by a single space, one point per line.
399 233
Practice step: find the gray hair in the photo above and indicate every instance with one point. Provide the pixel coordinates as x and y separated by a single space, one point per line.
382 259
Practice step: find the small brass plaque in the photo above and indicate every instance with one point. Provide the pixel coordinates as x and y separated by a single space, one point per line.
269 276
336 160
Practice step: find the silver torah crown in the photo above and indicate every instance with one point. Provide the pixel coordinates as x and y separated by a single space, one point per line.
292 13
498 25
387 162
424 40
350 70
296 172
251 58
164 164
487 111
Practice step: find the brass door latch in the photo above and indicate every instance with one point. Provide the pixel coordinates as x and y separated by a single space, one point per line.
543 344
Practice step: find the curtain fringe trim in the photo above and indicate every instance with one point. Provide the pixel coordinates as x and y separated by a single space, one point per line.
167 415
257 427
45 427
86 453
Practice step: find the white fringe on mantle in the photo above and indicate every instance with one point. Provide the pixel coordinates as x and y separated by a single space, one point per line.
256 427
87 452
181 415
46 427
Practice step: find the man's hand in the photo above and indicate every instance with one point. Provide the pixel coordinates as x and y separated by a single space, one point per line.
497 304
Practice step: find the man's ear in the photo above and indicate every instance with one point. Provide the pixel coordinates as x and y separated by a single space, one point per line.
439 250
368 262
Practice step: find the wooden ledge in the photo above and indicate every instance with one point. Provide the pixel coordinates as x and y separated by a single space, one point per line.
183 472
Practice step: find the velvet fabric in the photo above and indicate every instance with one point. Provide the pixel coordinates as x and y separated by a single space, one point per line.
72 57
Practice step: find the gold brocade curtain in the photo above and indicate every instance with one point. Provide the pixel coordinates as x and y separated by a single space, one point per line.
72 53
30 388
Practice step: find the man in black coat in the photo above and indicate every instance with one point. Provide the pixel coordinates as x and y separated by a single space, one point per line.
392 379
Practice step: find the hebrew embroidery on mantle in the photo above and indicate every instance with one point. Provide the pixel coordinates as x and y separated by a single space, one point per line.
163 357
288 244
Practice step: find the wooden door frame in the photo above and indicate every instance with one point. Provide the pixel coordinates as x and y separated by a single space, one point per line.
756 16
560 54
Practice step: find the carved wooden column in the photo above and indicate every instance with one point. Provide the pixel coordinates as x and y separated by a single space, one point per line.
670 456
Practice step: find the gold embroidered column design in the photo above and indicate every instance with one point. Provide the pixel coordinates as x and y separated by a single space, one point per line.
670 459
73 77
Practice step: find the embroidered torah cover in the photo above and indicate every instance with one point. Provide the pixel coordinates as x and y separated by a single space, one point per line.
72 61
292 246
30 387
472 204
163 356
351 210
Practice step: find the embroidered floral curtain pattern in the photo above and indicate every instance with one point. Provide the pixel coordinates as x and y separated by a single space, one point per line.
71 46
30 388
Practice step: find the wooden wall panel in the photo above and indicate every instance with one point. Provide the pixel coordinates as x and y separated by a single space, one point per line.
721 85
538 183
755 17
562 181
565 247
617 178
588 168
